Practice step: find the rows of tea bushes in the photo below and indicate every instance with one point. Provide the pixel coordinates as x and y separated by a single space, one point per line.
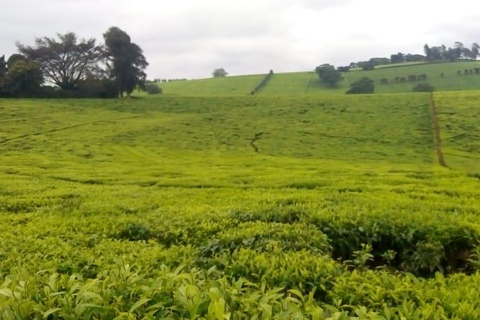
68 267
160 209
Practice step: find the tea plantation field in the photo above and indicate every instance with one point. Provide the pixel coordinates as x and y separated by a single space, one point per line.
330 207
308 83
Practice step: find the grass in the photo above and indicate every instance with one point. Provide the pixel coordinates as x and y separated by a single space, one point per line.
307 83
160 207
228 86
459 118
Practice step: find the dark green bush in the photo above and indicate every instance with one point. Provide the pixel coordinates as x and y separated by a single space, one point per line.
153 89
364 85
423 87
135 232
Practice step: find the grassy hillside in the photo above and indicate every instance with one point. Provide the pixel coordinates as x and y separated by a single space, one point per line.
236 207
459 116
308 83
229 86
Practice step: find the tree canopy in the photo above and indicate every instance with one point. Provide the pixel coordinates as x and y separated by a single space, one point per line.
127 63
328 74
66 61
217 73
19 76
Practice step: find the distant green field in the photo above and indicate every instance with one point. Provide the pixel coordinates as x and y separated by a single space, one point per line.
228 86
307 83
169 207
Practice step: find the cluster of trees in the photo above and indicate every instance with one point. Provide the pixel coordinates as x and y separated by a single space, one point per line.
262 83
401 58
68 66
412 77
469 71
328 75
331 76
431 54
394 58
458 52
166 80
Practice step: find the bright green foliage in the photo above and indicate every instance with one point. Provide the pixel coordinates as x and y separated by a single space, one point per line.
159 207
459 116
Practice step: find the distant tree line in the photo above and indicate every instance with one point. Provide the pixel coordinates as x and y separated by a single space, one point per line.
165 80
431 54
70 67
458 52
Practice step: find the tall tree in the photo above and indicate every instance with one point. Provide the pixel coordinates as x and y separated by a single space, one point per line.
3 66
3 72
428 52
127 62
475 51
66 61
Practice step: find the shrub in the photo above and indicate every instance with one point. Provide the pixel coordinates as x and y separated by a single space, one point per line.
397 79
90 88
364 85
403 79
384 81
153 89
423 87
441 75
477 70
422 77
343 69
412 77
459 72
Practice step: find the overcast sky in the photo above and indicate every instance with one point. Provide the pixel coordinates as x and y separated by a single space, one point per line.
190 38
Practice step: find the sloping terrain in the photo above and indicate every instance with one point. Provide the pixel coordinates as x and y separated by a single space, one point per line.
307 83
330 207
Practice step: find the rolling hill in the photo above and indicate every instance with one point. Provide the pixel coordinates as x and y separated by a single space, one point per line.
307 83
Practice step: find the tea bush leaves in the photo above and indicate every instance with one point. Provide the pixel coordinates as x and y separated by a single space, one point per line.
159 208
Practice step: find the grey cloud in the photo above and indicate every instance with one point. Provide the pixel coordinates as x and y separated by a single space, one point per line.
464 29
188 38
